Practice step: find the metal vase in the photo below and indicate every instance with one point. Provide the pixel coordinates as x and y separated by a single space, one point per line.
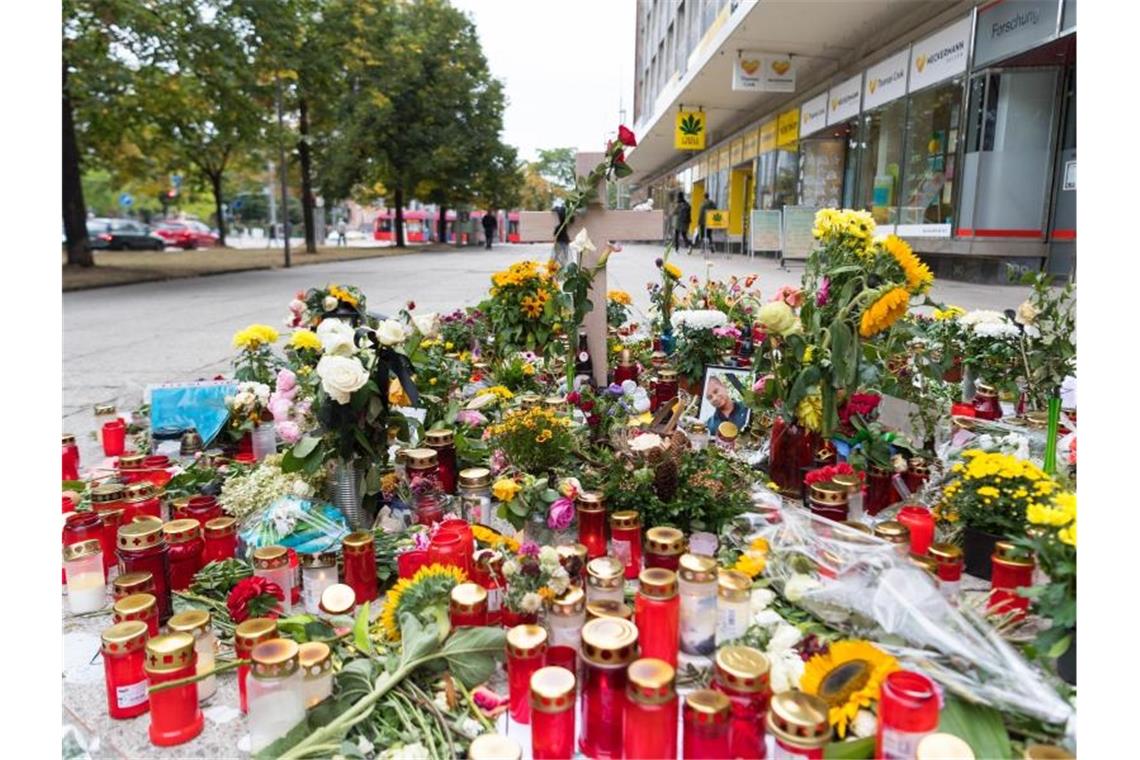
347 494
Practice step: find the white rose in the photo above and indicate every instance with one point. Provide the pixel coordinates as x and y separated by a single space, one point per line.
390 332
341 376
784 637
329 303
798 585
427 324
337 338
865 724
785 669
760 600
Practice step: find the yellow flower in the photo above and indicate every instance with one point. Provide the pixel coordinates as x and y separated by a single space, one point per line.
254 336
396 394
389 618
543 437
950 312
884 312
528 369
531 307
343 295
918 275
1068 535
809 412
492 539
305 339
673 270
808 353
988 491
751 564
505 489
620 296
847 678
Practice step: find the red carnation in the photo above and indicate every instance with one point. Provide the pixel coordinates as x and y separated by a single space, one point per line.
593 420
254 597
587 406
858 403
573 397
625 134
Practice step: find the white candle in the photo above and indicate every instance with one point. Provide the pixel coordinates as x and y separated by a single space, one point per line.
86 592
274 708
204 646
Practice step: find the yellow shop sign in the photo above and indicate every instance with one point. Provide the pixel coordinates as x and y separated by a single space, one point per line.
716 220
689 133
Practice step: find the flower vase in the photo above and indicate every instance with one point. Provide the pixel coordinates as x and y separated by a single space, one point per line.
977 551
969 377
792 449
668 342
347 494
1051 435
264 440
537 530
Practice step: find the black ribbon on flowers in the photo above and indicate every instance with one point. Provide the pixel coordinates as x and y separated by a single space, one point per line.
388 361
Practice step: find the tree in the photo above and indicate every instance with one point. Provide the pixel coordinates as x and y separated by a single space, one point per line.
557 166
537 192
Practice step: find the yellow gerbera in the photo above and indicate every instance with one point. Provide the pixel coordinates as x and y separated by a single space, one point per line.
620 296
884 312
505 489
750 563
950 312
847 678
304 339
918 276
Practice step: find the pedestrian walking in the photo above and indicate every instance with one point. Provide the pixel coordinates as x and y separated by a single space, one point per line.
490 224
706 233
682 217
273 236
341 238
561 254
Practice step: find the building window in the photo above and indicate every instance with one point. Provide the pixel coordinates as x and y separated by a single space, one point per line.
881 161
821 163
932 128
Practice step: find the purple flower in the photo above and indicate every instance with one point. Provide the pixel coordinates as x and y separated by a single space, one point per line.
561 514
422 540
615 390
498 461
824 291
529 549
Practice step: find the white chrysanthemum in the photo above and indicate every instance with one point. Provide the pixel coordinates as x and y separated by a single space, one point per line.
979 316
531 602
1002 330
559 581
698 319
761 598
510 567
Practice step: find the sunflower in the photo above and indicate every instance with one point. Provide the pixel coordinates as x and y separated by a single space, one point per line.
918 276
531 306
847 677
884 312
428 591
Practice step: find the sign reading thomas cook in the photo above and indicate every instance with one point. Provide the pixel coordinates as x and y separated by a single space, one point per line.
689 134
716 220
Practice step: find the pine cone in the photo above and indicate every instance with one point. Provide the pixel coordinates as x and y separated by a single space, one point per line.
666 478
678 445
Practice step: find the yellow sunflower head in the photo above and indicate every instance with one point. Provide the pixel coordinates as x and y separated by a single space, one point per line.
430 586
884 312
847 677
919 278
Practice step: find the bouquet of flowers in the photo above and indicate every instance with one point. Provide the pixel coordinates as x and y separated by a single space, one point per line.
618 304
534 440
255 361
248 407
301 524
1052 538
250 489
993 492
523 307
533 577
524 496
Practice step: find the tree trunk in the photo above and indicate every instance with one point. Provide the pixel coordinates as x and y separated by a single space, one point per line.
400 217
74 207
306 179
216 184
441 225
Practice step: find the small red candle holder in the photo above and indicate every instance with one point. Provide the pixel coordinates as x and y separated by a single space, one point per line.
649 727
175 717
908 711
408 563
221 539
1012 569
608 646
114 435
552 693
124 655
468 605
741 674
706 717
359 550
526 653
664 547
591 523
625 541
920 522
248 634
657 612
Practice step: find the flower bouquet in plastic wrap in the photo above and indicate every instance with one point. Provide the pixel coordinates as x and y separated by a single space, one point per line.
860 585
304 525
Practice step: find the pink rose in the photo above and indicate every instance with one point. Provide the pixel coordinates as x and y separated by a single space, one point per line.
280 407
561 514
470 417
790 295
286 381
289 431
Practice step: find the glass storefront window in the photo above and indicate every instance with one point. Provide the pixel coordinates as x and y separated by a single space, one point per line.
821 161
880 164
932 128
765 179
784 188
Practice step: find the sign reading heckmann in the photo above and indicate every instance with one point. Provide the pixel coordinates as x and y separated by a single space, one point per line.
689 133
758 72
843 100
940 56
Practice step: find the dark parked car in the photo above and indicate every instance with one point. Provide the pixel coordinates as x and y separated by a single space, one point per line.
122 235
189 234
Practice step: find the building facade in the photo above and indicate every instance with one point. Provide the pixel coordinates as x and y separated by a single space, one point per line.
953 123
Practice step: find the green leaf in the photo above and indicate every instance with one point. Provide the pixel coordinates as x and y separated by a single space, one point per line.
286 742
471 653
517 507
74 485
354 680
318 629
549 495
842 369
305 446
1059 648
360 630
979 726
858 749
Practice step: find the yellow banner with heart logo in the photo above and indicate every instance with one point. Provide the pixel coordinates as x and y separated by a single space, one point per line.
689 132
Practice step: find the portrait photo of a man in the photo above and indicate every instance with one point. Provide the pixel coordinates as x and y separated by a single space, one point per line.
722 399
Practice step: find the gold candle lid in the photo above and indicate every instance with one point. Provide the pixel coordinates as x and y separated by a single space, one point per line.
1046 752
651 681
609 641
125 637
270 557
133 583
312 560
437 438
554 402
338 599
421 459
249 633
608 608
707 706
893 532
111 517
147 520
468 598
68 438
663 540
529 400
573 602
359 542
314 658
526 641
276 658
172 651
494 747
733 585
742 668
666 373
828 492
861 527
220 527
567 551
625 358
131 462
1011 554
138 536
590 501
698 568
943 747
658 583
194 622
924 563
106 493
625 520
848 481
182 531
605 572
88 548
141 491
727 431
945 553
799 719
103 410
552 689
134 607
474 477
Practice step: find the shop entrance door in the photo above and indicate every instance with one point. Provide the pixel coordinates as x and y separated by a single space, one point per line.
695 203
1063 215
740 179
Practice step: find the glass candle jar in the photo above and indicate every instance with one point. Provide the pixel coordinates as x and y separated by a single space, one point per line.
141 608
197 624
359 550
552 696
920 523
468 605
1012 569
132 583
318 572
626 368
741 674
798 722
86 586
573 558
449 547
608 646
184 537
422 468
565 618
315 661
986 404
124 653
70 457
202 508
221 539
141 498
664 388
442 442
895 533
940 746
950 566
114 437
276 699
880 490
526 652
112 519
608 608
697 582
247 635
650 722
705 722
853 485
657 612
591 511
487 571
664 547
409 563
908 711
625 541
726 435
175 717
918 472
141 548
494 747
605 579
272 564
829 500
733 603
338 600
474 490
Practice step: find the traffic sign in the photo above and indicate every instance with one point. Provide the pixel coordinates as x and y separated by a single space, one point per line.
125 200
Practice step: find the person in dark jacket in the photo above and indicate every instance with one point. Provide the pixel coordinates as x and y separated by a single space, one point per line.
706 207
682 217
490 224
561 235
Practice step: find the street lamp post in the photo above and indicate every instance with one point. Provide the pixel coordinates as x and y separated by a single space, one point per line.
284 174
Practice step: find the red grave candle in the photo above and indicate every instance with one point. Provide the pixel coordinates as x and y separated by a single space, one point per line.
487 571
184 537
114 435
175 717
360 565
466 541
442 442
248 634
446 548
706 718
918 471
591 523
202 508
626 368
664 388
142 499
140 608
124 652
468 605
221 539
1011 569
132 583
409 563
741 674
950 563
142 549
664 547
798 722
650 719
526 653
921 525
552 692
908 711
657 612
70 458
608 646
625 541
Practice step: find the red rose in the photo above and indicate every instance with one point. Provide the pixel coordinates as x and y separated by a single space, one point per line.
587 406
246 600
625 135
573 397
593 420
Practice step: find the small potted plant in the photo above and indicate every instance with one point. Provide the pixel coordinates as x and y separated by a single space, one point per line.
1052 537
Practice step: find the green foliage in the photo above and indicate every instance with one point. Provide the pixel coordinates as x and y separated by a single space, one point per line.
217 578
696 349
557 166
1048 321
979 726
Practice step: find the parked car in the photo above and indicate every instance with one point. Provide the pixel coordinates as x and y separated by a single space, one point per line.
122 235
189 234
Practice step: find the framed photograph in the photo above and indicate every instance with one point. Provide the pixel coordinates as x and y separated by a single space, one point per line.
722 397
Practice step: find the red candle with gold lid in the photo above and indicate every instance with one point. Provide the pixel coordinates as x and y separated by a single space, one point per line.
650 719
706 717
799 724
1012 568
657 611
741 674
526 652
142 548
359 551
141 607
442 442
591 511
625 541
124 655
142 498
468 605
221 539
184 537
175 717
608 646
248 634
132 583
552 694
664 547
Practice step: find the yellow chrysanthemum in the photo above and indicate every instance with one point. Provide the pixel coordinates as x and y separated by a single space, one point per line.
1068 535
342 295
809 412
919 278
884 312
304 339
389 616
543 437
847 678
255 336
396 394
620 296
950 312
